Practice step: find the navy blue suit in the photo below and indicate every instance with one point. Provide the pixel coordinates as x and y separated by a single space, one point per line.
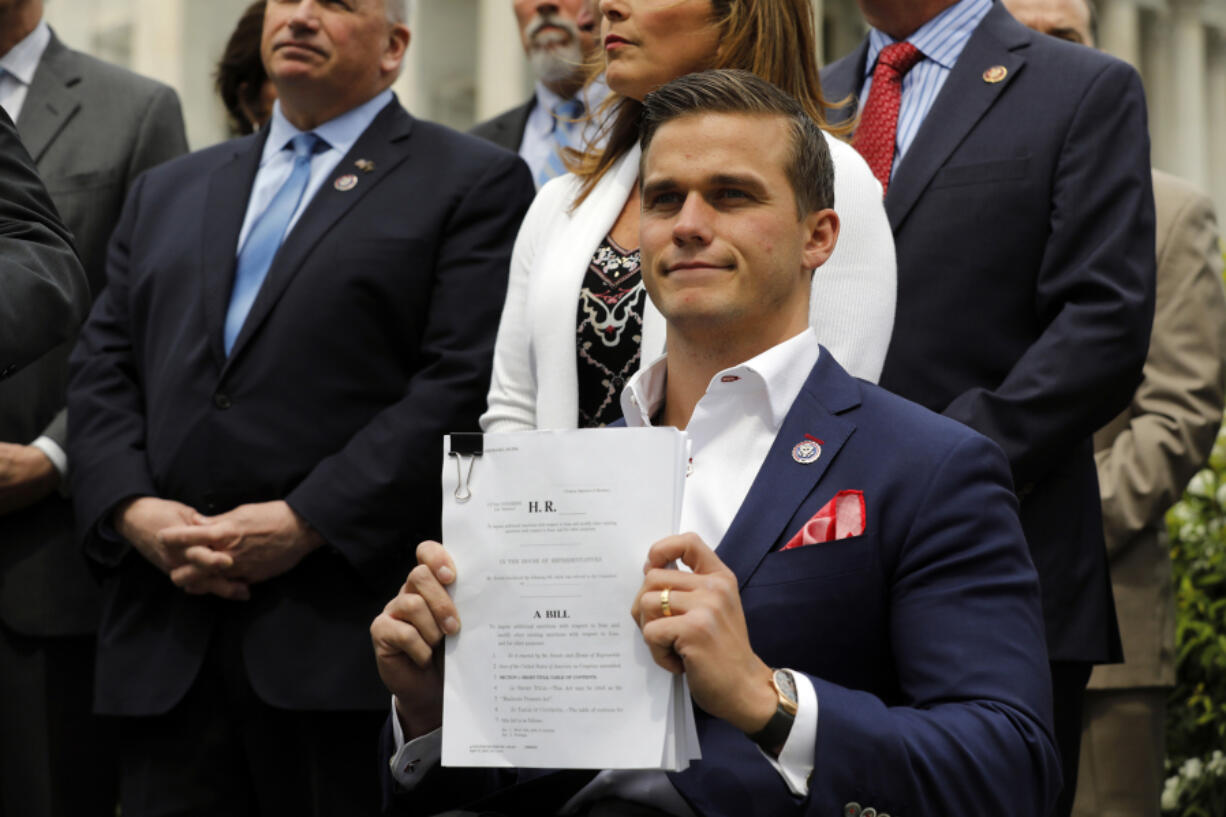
371 336
1023 220
923 637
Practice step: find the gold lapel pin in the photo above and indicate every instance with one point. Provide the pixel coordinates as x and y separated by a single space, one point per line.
365 165
995 74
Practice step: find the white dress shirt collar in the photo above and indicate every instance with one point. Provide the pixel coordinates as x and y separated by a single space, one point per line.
22 59
340 133
780 372
17 68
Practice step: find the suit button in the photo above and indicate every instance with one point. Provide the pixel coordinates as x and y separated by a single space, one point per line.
222 401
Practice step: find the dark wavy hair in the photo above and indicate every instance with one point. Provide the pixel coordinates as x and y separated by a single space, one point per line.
240 74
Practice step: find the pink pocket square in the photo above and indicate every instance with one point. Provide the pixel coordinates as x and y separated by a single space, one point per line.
839 518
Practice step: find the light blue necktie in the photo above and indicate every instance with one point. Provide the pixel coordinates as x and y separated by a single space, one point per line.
564 116
267 234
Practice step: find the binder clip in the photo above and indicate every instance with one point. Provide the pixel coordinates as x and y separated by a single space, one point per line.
465 444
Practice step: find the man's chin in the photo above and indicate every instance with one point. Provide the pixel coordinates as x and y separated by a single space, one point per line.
558 64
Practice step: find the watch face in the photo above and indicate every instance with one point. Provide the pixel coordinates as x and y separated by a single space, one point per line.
786 684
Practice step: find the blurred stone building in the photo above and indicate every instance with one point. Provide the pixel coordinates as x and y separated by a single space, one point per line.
465 62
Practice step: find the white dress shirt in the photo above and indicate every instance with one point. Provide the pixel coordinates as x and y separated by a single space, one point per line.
729 435
17 69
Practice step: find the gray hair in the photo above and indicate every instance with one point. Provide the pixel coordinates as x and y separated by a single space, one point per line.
397 10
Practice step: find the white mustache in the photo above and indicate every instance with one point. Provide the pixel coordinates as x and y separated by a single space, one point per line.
543 21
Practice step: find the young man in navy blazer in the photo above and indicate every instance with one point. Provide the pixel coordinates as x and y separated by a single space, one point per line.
257 404
867 638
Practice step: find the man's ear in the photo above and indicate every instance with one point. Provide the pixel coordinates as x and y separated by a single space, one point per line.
397 45
821 233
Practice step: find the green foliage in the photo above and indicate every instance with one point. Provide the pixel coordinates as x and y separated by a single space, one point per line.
1196 712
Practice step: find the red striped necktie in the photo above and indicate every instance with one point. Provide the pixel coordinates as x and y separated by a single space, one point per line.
878 131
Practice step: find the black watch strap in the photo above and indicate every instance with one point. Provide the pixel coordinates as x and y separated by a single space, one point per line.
774 735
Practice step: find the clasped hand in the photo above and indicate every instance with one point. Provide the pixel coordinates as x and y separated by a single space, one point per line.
704 636
222 554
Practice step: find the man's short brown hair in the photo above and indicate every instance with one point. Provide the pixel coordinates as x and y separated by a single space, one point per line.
809 167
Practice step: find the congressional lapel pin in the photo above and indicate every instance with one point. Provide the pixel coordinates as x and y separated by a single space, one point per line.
995 74
364 165
346 183
807 451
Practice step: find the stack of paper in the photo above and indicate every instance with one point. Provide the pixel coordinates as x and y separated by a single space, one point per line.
549 669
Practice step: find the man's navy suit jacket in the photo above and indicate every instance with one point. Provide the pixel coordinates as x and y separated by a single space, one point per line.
923 637
371 336
507 128
1023 220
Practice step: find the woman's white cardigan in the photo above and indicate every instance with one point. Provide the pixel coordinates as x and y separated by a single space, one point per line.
535 382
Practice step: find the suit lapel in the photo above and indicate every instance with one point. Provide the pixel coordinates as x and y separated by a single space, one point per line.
224 210
385 144
964 99
52 99
517 127
782 483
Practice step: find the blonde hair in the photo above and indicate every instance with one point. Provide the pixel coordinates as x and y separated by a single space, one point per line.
773 39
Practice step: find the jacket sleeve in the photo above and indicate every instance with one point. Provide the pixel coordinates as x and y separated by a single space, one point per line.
107 403
1165 436
358 496
157 136
45 291
1094 291
513 387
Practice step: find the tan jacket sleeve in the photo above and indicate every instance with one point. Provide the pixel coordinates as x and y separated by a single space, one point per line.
1147 454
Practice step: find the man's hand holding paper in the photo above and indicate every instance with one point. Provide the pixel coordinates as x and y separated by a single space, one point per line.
702 632
406 634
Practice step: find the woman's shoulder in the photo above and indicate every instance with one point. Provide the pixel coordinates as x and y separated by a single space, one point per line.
845 157
853 180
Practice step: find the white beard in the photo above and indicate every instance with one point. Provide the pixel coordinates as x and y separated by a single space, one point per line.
556 56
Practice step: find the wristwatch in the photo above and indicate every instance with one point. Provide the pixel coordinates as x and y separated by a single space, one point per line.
775 733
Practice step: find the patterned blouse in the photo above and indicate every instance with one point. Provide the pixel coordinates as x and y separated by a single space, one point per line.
610 331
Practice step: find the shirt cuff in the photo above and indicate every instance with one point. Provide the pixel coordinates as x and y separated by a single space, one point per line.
411 761
795 762
54 453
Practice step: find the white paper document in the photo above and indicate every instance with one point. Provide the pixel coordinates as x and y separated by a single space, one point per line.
549 670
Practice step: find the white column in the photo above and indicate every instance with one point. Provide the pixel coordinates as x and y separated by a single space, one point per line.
1191 150
1215 86
818 25
501 74
1157 75
406 87
157 36
1119 30
205 29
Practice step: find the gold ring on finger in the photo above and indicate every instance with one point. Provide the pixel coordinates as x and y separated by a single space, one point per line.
664 605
